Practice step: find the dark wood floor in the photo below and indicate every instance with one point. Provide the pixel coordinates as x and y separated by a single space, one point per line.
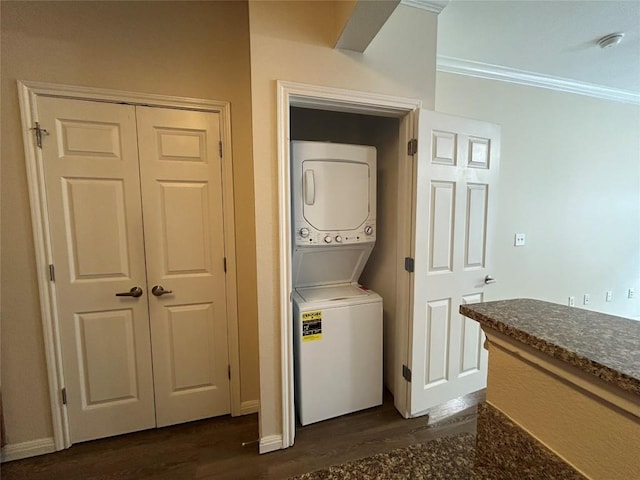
226 448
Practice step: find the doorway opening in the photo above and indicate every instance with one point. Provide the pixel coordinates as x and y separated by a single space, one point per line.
322 114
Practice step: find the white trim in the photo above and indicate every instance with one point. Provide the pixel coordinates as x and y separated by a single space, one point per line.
28 93
270 443
286 285
250 406
505 74
121 96
39 220
351 101
17 451
433 6
325 98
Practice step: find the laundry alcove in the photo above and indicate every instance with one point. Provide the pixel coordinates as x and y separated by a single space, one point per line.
383 133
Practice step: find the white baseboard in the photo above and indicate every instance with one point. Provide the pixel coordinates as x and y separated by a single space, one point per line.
16 451
270 443
248 407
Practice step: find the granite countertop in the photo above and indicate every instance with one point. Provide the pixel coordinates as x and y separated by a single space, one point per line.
603 345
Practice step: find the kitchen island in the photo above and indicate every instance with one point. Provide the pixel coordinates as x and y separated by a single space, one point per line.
569 377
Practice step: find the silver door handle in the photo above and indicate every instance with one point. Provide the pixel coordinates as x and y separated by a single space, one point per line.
489 279
158 290
134 292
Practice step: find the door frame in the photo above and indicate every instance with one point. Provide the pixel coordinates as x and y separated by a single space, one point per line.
28 93
291 94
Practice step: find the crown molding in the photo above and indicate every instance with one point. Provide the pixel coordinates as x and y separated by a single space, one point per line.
512 75
433 6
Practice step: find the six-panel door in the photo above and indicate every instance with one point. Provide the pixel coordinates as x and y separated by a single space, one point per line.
455 190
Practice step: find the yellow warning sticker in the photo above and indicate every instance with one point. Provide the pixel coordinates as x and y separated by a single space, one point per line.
312 326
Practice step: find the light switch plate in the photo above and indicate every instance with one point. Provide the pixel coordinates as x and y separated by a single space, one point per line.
519 239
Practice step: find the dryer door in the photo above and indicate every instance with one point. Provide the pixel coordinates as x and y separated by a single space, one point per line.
335 194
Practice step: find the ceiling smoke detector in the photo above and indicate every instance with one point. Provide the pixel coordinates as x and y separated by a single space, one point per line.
610 40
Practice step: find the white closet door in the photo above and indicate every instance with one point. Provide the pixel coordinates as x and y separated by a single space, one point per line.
90 160
102 228
457 176
180 168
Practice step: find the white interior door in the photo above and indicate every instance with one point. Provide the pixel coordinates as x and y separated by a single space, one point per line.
180 168
136 361
90 163
457 175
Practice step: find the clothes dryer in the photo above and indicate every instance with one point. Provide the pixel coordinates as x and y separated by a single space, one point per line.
333 193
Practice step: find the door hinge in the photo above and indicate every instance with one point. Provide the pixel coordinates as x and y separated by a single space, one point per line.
406 373
52 273
224 264
220 148
229 371
412 146
39 132
63 392
409 264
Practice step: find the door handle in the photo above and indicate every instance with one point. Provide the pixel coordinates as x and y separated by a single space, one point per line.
489 279
134 292
309 187
158 290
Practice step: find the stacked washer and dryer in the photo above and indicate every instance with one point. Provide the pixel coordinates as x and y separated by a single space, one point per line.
337 322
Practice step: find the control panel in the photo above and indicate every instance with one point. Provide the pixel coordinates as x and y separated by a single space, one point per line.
304 235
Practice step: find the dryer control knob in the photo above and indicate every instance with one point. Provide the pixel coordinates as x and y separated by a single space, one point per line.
327 239
368 229
338 239
304 232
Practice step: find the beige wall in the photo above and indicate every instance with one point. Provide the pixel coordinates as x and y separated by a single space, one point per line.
293 41
569 180
191 49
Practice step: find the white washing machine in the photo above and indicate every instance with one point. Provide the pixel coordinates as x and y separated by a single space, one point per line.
337 351
338 323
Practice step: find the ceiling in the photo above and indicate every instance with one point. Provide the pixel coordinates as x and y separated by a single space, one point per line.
556 38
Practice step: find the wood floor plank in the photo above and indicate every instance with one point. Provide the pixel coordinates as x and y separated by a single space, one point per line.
213 449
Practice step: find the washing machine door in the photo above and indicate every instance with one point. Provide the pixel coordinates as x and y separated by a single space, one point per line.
336 194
